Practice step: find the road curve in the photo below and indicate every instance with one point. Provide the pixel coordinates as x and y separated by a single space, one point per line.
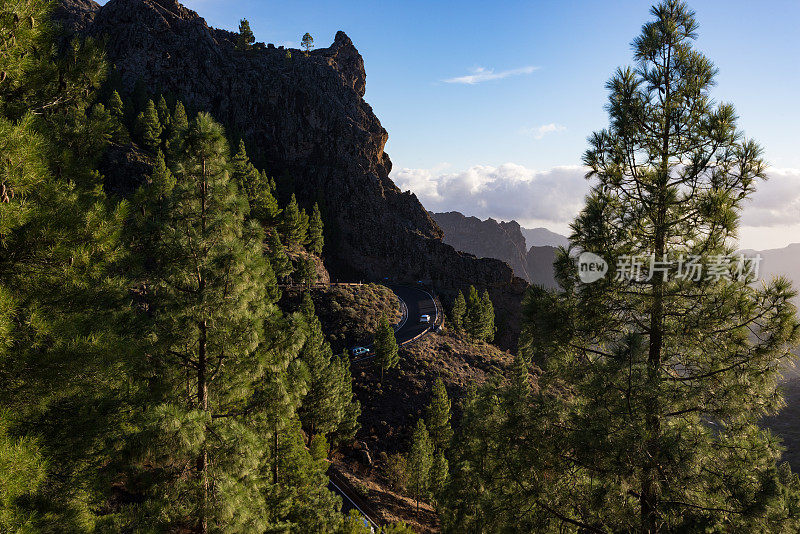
418 302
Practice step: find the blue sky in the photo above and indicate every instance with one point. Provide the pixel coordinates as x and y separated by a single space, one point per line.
539 70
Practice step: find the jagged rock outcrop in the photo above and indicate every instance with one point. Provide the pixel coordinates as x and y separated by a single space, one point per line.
485 239
303 119
501 240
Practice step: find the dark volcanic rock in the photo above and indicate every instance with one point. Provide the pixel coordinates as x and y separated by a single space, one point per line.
75 15
305 121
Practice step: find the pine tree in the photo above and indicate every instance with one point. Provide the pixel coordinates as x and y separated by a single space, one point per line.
277 256
246 37
458 312
439 417
148 127
315 231
164 115
318 447
439 474
487 328
307 43
22 472
293 226
328 407
420 460
178 127
223 372
386 352
63 367
306 272
668 376
256 186
473 319
502 454
116 107
348 423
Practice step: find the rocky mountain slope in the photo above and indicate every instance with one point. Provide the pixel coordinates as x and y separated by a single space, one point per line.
500 240
305 121
540 237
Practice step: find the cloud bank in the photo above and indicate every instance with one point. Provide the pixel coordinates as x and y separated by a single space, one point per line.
509 191
512 191
481 74
776 202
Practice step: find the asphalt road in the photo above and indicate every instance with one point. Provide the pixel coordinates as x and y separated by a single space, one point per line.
418 302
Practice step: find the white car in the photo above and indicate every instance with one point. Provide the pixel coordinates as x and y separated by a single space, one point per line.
425 319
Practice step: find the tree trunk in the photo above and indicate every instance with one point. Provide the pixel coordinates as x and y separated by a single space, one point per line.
202 364
202 400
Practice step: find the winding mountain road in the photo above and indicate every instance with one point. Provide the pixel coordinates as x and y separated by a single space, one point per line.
417 302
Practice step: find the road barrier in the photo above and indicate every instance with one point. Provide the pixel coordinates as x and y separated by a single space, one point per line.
321 285
341 483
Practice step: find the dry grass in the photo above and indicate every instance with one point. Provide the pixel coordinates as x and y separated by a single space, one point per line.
350 314
390 409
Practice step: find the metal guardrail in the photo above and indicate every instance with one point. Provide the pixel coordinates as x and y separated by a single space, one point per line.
322 285
344 483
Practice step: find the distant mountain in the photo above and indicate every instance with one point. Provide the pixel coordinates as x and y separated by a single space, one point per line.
779 261
540 237
501 240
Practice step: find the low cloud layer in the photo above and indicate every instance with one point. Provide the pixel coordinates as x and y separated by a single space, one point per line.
776 202
512 191
509 191
482 74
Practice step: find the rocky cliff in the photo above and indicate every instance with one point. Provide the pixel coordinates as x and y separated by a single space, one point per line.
303 119
501 240
485 239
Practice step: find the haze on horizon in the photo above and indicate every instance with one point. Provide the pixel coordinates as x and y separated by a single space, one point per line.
488 107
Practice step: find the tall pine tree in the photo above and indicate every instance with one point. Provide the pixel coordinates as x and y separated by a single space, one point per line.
256 186
294 225
439 417
315 231
668 375
386 352
64 355
277 256
328 407
487 328
246 38
149 128
473 318
176 133
420 460
458 312
223 378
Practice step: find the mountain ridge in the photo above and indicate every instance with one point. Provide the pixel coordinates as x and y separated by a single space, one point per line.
305 121
501 240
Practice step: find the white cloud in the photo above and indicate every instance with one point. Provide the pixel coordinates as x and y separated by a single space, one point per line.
509 191
482 74
776 202
540 131
552 198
